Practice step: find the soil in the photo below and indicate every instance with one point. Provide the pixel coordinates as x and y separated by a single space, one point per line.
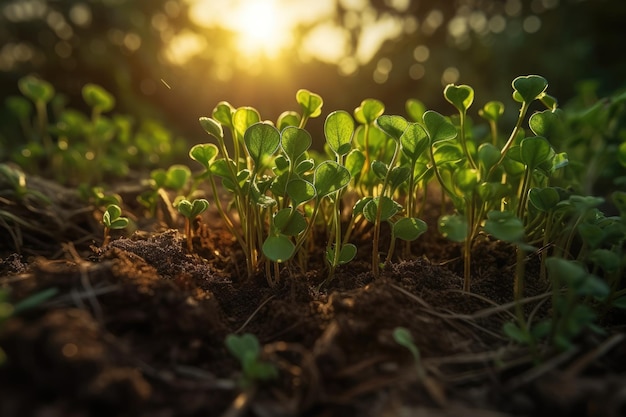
137 328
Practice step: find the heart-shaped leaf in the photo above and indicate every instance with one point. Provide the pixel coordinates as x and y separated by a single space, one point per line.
192 209
438 127
393 126
339 129
36 89
409 228
529 88
223 113
310 103
261 140
544 199
204 153
278 248
329 177
295 142
387 210
369 110
492 111
461 96
488 156
547 124
534 151
176 177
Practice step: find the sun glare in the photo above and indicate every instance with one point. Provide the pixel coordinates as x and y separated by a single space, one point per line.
260 28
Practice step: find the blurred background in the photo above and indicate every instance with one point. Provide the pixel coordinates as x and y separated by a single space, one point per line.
174 60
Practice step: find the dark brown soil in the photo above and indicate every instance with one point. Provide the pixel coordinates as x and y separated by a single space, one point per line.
137 328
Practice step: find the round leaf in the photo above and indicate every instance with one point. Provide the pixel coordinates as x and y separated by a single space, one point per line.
289 222
36 89
534 151
348 252
295 142
388 209
492 111
415 109
330 177
529 88
544 199
261 140
393 126
503 225
300 191
453 227
97 97
243 118
438 127
409 228
488 156
414 141
223 113
287 118
278 248
339 129
369 110
461 96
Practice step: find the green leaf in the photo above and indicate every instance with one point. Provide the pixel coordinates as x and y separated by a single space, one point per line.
243 118
534 150
300 191
36 89
339 129
97 97
261 140
380 169
466 180
278 248
289 222
516 334
399 175
355 162
461 96
310 103
547 124
304 166
493 191
242 346
488 156
438 127
112 217
388 209
192 209
212 127
223 113
347 253
544 199
393 126
529 88
204 153
221 169
329 177
453 227
414 141
409 228
608 260
415 109
286 119
492 111
369 110
295 142
176 177
19 106
503 225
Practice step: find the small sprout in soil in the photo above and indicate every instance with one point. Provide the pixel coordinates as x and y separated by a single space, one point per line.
247 349
403 337
190 210
112 219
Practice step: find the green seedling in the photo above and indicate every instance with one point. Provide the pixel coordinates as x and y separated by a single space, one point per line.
190 210
112 219
247 350
403 337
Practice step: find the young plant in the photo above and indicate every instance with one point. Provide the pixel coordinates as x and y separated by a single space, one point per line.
190 210
403 337
247 349
112 219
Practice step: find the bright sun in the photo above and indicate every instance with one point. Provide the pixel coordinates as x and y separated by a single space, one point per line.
260 28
